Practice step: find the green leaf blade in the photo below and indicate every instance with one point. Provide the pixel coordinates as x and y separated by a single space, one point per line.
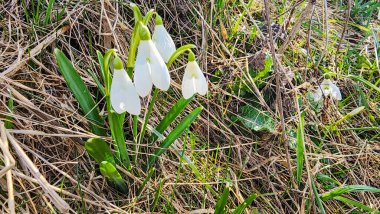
222 201
81 92
110 172
99 150
248 201
170 116
300 147
177 132
349 188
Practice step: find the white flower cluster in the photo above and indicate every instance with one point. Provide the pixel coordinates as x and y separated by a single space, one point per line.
327 88
150 69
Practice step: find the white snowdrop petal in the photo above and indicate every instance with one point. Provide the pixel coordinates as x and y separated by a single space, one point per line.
164 42
159 72
201 82
142 79
318 94
143 52
335 92
123 94
188 87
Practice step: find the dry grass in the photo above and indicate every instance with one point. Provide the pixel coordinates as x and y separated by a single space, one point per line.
49 128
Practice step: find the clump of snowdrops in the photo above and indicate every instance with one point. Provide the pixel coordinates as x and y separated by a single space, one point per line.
123 85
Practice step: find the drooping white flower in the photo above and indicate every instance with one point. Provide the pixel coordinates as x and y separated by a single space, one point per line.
162 40
193 80
327 88
123 93
149 66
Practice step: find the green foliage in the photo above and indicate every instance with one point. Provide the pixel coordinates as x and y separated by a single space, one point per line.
110 172
220 207
315 105
248 201
362 11
356 204
300 147
99 150
81 93
157 195
366 82
179 52
147 178
242 85
8 123
328 182
48 12
174 135
259 75
170 117
256 119
346 189
317 197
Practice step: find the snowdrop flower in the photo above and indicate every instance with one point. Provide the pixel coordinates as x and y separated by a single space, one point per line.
163 40
193 80
327 88
123 93
150 68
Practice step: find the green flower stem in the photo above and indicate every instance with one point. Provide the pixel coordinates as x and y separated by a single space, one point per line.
136 13
147 116
135 40
115 120
106 71
134 132
148 16
178 52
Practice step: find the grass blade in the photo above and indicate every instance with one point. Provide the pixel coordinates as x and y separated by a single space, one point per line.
177 132
193 168
349 188
248 201
80 92
8 123
355 204
222 201
48 12
157 195
368 83
300 147
317 197
141 188
170 116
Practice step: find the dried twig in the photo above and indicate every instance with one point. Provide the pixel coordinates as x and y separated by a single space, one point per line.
277 70
59 203
9 164
34 52
305 14
344 29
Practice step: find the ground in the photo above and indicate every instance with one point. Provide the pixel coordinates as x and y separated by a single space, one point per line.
261 134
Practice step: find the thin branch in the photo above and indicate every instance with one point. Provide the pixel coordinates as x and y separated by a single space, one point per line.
278 87
344 29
